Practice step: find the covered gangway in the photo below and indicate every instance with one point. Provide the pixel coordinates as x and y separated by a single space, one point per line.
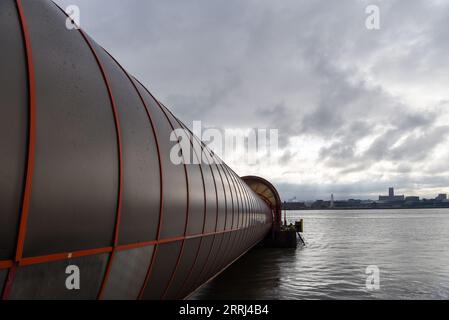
86 178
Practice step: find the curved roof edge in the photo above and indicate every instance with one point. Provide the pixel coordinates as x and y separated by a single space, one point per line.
267 192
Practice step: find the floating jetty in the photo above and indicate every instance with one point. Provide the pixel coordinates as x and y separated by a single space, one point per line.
288 236
282 235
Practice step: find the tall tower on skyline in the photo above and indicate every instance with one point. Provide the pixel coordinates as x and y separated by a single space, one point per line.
332 201
391 192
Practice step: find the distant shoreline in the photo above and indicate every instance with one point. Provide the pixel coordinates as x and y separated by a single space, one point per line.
352 208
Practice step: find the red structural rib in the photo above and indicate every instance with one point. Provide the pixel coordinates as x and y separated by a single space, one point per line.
31 133
6 264
208 265
193 137
120 155
240 206
207 150
201 239
9 282
216 223
245 222
244 207
63 256
150 269
119 147
205 208
201 171
81 253
248 223
31 150
159 226
214 261
161 179
236 208
251 220
187 213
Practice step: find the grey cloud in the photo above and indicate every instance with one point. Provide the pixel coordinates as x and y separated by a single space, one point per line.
299 66
411 185
415 146
286 157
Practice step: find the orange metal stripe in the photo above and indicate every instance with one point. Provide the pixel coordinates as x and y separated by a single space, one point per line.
239 207
216 219
208 265
235 204
187 211
89 252
161 216
169 240
119 146
161 179
236 200
185 231
153 128
252 199
149 271
245 220
216 223
9 282
31 152
31 133
199 157
130 246
6 264
120 154
241 212
228 216
63 256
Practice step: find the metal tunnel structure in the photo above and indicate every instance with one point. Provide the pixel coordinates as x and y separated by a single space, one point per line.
86 178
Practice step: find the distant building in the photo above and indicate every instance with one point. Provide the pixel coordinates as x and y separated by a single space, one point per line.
320 204
332 205
441 197
412 199
391 192
294 205
391 196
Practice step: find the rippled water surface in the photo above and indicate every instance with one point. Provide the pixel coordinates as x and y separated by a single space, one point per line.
410 247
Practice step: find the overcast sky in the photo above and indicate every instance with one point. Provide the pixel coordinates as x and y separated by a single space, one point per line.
357 110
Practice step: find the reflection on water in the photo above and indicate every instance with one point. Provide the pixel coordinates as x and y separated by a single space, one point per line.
410 247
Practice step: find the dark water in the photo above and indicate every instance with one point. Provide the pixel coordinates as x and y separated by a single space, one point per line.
410 248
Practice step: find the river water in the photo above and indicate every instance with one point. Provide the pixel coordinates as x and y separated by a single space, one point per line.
410 248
